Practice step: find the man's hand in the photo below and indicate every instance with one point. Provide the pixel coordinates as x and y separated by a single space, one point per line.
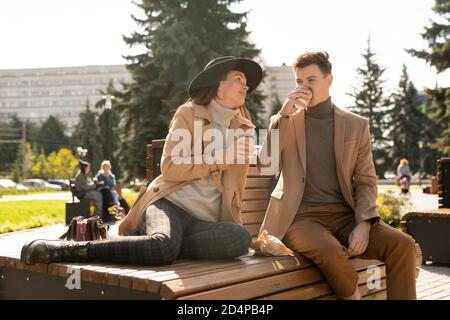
359 239
298 94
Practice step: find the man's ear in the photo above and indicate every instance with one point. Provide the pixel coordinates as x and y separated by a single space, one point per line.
329 79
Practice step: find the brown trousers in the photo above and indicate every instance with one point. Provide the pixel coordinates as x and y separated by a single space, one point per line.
321 234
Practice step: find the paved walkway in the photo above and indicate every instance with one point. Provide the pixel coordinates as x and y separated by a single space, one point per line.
64 195
433 283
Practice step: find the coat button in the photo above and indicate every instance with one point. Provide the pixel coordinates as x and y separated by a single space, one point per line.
156 189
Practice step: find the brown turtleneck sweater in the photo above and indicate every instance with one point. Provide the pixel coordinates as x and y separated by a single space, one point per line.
322 185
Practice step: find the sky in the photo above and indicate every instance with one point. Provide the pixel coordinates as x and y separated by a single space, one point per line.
58 33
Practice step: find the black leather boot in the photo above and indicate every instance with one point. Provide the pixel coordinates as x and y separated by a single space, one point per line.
47 251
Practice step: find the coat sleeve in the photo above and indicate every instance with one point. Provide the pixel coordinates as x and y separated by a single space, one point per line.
365 180
176 167
82 184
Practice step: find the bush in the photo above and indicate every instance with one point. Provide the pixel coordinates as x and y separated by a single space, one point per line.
391 208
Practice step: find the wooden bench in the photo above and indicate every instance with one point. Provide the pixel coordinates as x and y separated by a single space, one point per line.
247 277
431 228
84 207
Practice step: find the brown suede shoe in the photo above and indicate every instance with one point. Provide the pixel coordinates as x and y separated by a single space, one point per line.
47 251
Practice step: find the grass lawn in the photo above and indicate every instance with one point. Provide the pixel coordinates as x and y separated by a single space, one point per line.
20 215
24 214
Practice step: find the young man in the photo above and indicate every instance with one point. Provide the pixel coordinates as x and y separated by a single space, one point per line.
324 204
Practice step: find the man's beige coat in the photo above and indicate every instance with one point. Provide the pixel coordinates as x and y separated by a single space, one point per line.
354 167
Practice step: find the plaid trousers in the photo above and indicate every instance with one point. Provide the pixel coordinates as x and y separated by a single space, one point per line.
167 232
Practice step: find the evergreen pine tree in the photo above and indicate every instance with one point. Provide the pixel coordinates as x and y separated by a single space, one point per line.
51 136
180 37
87 136
371 104
407 123
437 35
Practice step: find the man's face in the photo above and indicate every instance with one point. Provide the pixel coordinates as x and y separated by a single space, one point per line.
311 76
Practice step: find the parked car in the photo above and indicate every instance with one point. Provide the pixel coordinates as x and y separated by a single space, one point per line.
10 184
64 184
7 183
39 183
390 175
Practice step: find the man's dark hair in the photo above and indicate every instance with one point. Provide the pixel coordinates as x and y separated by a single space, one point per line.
320 58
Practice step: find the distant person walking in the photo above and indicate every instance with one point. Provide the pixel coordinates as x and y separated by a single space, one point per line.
403 170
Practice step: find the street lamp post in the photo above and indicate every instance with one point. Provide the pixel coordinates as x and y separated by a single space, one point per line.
420 143
108 106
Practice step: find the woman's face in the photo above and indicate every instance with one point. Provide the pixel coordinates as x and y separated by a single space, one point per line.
106 168
88 169
233 90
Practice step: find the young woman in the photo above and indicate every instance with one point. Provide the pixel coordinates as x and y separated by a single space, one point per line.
108 179
86 187
192 209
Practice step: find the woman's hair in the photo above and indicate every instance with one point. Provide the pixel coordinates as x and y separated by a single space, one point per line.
204 96
83 166
404 162
105 162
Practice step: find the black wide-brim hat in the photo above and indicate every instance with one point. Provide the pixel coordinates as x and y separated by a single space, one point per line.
218 67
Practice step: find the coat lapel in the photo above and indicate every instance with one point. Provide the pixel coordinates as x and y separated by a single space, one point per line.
339 135
340 123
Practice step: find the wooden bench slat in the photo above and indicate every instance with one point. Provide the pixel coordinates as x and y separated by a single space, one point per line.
212 268
269 285
258 287
321 289
254 205
254 172
264 281
256 194
259 183
175 288
253 217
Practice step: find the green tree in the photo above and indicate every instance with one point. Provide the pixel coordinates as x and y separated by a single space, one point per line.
8 151
407 123
51 136
40 168
180 37
62 164
371 104
439 102
437 36
87 135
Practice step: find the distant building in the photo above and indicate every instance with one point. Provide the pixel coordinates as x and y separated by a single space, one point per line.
279 81
35 94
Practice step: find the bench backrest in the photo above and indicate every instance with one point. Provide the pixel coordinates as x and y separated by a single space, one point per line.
443 169
256 195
